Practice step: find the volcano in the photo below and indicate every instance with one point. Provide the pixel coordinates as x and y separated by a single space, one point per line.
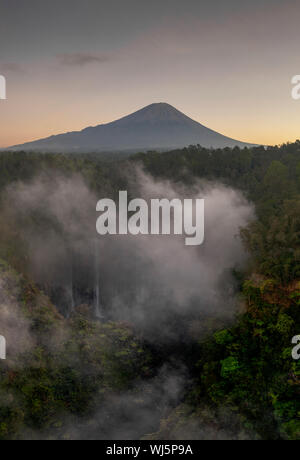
158 126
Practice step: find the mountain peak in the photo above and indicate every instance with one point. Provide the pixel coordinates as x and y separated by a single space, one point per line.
160 106
158 111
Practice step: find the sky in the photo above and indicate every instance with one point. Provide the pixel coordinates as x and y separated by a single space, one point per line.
227 64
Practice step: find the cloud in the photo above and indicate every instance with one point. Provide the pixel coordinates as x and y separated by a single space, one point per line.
12 67
153 282
14 325
169 292
125 415
160 279
81 59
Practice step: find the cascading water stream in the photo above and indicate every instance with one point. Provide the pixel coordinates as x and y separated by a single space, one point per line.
71 288
97 301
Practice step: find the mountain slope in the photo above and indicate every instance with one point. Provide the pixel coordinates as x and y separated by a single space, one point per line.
157 126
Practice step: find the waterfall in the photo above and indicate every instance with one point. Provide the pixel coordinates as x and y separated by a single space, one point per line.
97 300
71 287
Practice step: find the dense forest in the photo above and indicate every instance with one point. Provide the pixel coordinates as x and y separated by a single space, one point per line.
74 376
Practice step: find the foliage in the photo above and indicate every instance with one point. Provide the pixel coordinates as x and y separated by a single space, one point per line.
244 371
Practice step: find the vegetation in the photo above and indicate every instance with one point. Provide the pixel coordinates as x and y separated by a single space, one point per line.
243 381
